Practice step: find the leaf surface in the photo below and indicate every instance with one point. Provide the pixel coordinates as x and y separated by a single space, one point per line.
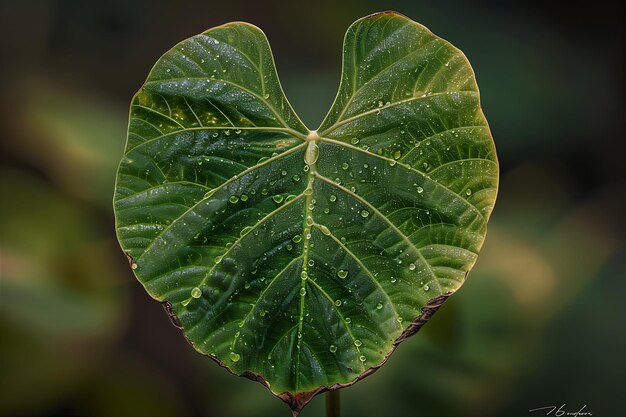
302 258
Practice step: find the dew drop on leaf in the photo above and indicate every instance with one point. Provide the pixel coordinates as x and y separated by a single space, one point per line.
342 273
196 292
325 230
312 153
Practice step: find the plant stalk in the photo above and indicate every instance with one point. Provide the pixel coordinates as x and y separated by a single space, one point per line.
333 408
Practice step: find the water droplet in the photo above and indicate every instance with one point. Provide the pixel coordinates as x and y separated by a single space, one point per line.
325 230
392 162
246 285
283 172
338 303
348 320
342 273
233 199
238 131
266 96
393 280
133 265
362 358
354 141
302 292
332 348
379 306
264 191
345 165
262 313
365 213
278 198
243 197
297 238
218 259
399 319
312 153
380 103
296 178
309 221
420 190
245 230
357 343
426 287
196 292
412 267
304 275
234 356
468 192
332 198
306 168
397 155
311 262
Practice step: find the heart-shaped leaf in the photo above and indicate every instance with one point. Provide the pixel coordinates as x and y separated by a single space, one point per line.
302 258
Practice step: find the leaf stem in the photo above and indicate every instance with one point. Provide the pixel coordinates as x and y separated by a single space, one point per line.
333 408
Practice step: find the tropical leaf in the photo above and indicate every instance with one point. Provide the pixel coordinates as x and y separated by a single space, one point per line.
302 258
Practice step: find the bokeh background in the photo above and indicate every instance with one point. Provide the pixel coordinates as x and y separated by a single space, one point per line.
541 320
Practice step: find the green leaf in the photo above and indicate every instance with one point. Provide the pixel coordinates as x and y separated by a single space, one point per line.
302 258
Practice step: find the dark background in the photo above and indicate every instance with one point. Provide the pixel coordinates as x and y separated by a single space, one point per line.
539 322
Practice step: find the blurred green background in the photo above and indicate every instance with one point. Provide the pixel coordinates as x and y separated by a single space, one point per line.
539 322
